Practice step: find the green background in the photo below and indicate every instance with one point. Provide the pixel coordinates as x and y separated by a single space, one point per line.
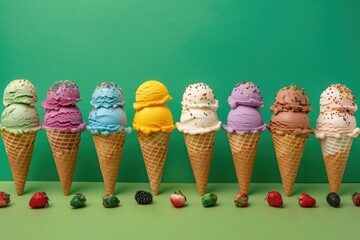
272 43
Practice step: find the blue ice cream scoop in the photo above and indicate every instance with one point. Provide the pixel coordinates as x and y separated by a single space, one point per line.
107 120
107 94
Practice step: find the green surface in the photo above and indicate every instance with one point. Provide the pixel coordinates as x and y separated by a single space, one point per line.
161 220
272 43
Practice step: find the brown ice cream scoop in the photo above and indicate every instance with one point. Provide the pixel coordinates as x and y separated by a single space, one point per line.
290 122
291 98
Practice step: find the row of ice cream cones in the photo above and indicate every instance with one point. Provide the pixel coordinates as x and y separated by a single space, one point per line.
153 122
65 145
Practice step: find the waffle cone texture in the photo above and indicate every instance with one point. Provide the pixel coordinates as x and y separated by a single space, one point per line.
64 146
19 149
154 147
335 152
109 151
243 150
289 149
200 148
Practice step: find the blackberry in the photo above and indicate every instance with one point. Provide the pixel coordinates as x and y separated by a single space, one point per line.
143 197
333 199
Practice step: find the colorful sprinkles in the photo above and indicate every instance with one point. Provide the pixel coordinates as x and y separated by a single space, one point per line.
248 88
338 94
21 83
109 85
61 86
291 98
298 94
337 102
199 92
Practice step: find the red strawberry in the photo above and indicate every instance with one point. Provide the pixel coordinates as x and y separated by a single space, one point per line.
39 200
356 198
241 199
178 199
4 199
305 200
274 199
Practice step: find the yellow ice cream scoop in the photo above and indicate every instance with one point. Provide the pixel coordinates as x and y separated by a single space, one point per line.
151 93
153 119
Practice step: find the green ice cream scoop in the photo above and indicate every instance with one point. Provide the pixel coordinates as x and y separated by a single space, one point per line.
20 118
20 91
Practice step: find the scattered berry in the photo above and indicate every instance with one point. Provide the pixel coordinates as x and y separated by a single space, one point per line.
4 199
333 199
110 201
274 199
78 201
209 200
241 199
356 198
305 200
178 199
143 197
39 200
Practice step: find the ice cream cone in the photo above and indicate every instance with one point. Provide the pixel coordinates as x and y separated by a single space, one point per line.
335 152
200 148
289 150
243 149
19 149
64 146
154 148
109 150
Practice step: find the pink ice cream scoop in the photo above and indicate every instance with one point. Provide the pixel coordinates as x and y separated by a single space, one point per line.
61 113
65 118
62 93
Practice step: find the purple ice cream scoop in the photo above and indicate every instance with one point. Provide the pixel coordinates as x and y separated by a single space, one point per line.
244 119
246 94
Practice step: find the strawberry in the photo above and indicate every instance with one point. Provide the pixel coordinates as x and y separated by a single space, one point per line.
178 199
274 199
306 200
39 200
4 199
356 198
241 199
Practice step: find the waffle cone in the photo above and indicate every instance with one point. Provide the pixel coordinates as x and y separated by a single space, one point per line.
19 149
109 151
289 149
64 146
200 148
154 148
243 149
335 152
